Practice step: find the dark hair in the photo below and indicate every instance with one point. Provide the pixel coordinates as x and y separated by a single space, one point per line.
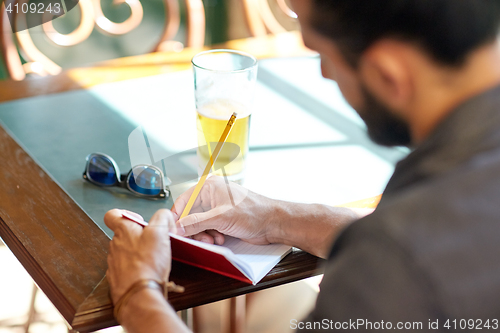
447 29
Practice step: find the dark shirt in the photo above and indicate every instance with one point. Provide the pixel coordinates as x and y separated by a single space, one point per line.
431 250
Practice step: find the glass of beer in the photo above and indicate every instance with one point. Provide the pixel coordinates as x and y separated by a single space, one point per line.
224 82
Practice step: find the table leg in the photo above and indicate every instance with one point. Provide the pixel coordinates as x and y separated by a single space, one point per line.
32 310
187 317
237 314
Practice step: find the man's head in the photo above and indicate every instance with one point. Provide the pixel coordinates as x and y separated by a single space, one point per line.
397 60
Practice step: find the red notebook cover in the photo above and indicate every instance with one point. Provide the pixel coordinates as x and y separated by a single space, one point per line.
203 258
197 256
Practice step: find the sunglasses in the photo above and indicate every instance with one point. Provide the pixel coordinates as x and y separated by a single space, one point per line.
143 180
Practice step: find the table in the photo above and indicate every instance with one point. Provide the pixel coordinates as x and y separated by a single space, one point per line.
65 251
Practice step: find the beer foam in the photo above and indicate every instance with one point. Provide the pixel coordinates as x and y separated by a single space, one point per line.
223 109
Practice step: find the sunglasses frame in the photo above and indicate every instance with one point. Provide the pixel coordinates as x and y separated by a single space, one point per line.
122 180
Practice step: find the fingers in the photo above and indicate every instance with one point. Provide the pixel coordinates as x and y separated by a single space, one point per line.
138 216
163 218
217 236
195 223
210 237
182 201
204 237
114 220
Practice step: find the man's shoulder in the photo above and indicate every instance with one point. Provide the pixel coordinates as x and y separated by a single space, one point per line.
458 203
447 230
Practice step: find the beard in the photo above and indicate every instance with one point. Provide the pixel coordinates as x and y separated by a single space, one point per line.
384 128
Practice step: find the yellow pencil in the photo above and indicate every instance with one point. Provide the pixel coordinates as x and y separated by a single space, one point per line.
213 158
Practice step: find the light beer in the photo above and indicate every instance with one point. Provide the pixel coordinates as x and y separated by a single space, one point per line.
211 121
224 83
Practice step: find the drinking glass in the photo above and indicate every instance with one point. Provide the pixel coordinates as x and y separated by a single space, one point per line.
224 82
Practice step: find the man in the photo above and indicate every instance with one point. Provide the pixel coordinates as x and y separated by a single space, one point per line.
424 73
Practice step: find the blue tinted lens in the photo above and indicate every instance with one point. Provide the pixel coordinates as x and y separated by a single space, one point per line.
145 180
101 170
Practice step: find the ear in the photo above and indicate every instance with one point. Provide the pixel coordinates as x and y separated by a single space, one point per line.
384 70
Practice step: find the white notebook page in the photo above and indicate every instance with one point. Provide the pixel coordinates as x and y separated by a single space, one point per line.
260 259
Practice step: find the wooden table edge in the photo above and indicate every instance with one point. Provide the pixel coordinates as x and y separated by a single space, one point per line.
102 317
43 281
20 219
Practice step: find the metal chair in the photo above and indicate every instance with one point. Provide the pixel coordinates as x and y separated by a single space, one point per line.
268 16
22 56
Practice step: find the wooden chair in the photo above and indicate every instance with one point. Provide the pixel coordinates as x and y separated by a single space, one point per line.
32 60
268 16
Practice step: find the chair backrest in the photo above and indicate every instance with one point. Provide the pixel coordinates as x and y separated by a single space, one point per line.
22 56
269 16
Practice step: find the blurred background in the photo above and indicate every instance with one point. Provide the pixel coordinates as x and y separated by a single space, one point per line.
224 20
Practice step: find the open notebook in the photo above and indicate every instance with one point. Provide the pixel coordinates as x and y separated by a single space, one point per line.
237 259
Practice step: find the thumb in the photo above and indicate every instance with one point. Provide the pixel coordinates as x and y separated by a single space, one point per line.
164 219
198 222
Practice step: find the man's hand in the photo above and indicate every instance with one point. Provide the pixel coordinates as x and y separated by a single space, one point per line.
223 209
226 209
137 253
